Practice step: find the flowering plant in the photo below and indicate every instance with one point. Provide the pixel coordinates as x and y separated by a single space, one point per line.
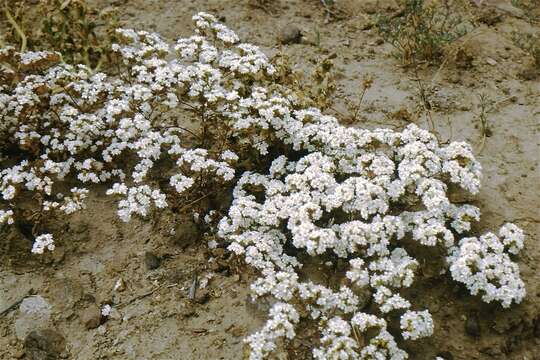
62 123
331 194
363 196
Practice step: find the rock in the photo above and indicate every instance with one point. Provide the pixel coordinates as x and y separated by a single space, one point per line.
91 317
152 261
91 265
202 297
491 61
35 313
102 329
34 304
472 326
454 78
44 345
19 354
120 285
290 34
508 8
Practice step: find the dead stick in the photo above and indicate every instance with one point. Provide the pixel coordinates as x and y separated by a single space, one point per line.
13 306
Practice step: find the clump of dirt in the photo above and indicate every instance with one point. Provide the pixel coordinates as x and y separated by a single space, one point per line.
189 300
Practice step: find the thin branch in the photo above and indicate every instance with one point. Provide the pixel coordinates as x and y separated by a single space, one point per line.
197 200
139 297
176 127
14 305
17 28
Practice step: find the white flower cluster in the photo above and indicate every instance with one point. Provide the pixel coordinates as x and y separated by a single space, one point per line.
282 319
62 122
137 200
106 310
416 324
484 266
42 242
6 217
341 200
341 340
354 194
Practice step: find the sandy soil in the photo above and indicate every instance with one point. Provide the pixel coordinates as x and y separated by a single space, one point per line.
153 317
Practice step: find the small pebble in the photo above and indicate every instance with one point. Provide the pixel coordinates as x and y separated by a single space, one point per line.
91 317
152 261
44 344
491 61
102 329
202 297
120 285
290 34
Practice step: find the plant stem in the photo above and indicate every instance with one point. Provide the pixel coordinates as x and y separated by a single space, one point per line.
17 28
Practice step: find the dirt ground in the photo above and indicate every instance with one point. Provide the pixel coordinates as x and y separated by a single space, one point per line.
100 260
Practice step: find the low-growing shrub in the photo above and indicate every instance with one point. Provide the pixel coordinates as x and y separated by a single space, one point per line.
421 30
79 32
331 194
64 127
363 197
529 43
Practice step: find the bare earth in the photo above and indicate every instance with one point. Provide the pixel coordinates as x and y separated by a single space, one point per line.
153 318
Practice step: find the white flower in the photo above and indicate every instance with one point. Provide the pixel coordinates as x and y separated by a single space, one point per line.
42 242
282 319
483 265
6 217
106 310
512 238
137 200
416 324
